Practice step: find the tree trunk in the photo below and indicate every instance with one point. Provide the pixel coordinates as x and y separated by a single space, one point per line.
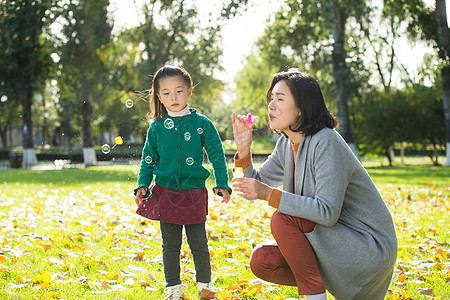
443 34
45 137
29 155
446 99
4 136
340 75
87 129
435 155
88 146
388 153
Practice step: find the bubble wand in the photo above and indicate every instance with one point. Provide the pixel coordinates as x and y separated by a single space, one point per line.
238 171
118 141
106 148
251 119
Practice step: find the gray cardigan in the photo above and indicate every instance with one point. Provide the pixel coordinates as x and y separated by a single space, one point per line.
354 240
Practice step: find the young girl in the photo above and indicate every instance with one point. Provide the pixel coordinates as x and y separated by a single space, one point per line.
173 152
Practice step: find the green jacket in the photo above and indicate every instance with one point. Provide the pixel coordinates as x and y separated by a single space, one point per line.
173 152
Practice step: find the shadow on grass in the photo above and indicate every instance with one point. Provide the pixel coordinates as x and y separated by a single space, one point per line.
418 175
70 176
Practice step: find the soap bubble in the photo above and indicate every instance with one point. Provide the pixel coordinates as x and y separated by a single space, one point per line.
106 148
129 103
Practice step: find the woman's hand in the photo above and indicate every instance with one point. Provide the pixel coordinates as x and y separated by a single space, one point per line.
139 195
242 135
251 188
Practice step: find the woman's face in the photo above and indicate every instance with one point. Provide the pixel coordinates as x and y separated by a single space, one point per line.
282 109
174 93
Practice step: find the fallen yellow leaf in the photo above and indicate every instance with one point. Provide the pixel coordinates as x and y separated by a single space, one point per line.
224 295
207 294
426 291
112 276
19 266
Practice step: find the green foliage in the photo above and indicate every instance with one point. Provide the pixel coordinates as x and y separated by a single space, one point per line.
416 13
46 110
85 33
9 117
25 61
142 50
83 75
220 114
312 35
182 41
90 69
24 53
301 34
251 89
429 23
413 115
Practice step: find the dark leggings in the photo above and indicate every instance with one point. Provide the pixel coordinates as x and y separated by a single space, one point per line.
293 261
198 243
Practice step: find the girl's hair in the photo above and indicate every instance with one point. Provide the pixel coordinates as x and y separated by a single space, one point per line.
308 99
157 109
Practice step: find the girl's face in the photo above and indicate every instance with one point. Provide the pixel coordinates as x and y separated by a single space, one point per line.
174 93
282 109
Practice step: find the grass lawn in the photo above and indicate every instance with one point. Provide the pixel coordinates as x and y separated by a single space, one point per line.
73 234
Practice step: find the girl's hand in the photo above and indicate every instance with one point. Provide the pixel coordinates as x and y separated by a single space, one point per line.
242 135
225 194
139 195
251 188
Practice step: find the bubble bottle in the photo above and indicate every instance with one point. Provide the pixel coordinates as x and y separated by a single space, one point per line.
238 172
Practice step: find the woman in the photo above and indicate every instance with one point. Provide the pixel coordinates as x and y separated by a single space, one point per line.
332 229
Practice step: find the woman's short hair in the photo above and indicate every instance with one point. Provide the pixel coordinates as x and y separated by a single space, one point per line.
309 100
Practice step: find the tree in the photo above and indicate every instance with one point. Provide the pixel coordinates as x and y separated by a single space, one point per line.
24 59
184 40
377 126
313 34
379 44
413 115
430 24
9 117
251 88
45 111
86 34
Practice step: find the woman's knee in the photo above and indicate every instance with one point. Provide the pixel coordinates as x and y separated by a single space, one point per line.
281 224
265 260
257 261
277 222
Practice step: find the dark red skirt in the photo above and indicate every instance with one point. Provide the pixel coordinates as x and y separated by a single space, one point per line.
184 207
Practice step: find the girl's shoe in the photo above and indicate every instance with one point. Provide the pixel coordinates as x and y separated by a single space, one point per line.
174 292
206 290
